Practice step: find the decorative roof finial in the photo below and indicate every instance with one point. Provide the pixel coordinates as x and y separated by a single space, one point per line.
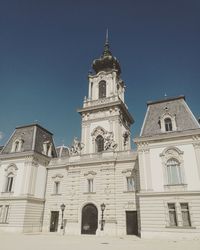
107 37
106 51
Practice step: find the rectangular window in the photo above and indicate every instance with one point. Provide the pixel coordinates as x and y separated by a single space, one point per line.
172 214
130 183
185 215
90 185
1 212
9 184
56 187
5 214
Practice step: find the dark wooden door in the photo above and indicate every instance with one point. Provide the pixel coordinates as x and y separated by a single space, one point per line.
89 219
54 221
131 223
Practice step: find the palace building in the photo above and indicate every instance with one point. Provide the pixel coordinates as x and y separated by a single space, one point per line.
100 185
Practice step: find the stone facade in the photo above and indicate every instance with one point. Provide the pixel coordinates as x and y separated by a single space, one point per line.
152 191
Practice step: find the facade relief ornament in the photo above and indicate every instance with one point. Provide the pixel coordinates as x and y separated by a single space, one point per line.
107 190
126 136
172 152
92 173
109 142
196 142
129 172
76 147
196 145
98 131
11 168
57 176
143 147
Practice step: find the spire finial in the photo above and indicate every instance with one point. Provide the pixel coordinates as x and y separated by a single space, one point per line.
107 37
106 46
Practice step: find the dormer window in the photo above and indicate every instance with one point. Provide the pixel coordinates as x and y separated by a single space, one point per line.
17 145
102 89
168 124
47 148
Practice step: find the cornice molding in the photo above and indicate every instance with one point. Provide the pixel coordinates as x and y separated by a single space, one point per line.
169 135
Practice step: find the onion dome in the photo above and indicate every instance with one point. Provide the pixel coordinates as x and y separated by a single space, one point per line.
107 61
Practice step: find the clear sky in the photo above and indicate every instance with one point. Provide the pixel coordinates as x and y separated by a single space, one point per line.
47 48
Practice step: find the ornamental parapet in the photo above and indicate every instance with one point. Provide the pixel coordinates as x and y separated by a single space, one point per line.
89 102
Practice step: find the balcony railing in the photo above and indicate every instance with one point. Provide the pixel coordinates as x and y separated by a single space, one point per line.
89 103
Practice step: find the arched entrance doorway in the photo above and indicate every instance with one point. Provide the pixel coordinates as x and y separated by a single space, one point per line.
89 219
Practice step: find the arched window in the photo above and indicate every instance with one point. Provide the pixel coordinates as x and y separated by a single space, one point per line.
168 124
102 89
174 172
99 143
9 183
17 145
16 149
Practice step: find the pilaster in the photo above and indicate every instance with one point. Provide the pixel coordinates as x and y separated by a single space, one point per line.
196 146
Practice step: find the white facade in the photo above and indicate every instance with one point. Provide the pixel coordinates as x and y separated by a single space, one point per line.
169 175
151 192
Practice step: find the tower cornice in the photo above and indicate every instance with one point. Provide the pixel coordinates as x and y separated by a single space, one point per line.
106 105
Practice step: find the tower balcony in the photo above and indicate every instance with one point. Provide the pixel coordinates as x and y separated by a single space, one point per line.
101 101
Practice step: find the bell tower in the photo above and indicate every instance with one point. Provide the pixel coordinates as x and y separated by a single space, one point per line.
106 120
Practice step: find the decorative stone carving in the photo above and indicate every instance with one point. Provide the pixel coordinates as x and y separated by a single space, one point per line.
98 131
107 190
11 168
126 136
57 176
130 205
108 137
129 172
90 173
109 142
76 147
172 152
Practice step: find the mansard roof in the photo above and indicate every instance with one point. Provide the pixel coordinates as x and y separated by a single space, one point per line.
175 107
33 137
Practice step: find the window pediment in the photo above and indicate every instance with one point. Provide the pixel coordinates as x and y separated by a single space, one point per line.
128 172
172 152
57 177
90 174
11 168
98 131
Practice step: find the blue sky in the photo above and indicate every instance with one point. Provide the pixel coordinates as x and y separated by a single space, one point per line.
47 48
